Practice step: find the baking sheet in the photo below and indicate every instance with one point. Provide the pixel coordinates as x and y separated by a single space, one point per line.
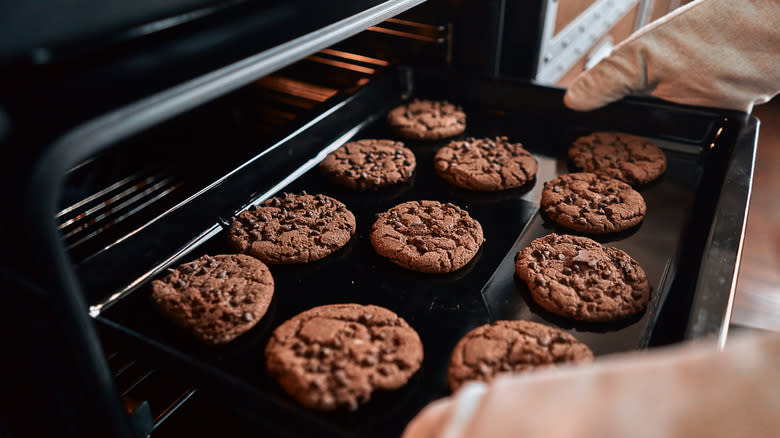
442 307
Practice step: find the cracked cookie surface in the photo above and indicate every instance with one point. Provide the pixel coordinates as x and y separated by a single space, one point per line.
427 120
335 356
369 164
511 347
216 298
578 278
427 236
485 164
628 158
591 203
293 228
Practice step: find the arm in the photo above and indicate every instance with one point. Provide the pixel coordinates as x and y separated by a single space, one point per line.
719 53
682 391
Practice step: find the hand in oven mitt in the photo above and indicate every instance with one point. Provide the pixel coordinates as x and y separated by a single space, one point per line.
718 53
682 391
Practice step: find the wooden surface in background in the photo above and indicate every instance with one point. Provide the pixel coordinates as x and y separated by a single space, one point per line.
757 301
567 11
620 31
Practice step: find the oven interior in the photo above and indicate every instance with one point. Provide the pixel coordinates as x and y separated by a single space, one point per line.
163 196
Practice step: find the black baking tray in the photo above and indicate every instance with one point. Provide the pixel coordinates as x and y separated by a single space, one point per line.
670 244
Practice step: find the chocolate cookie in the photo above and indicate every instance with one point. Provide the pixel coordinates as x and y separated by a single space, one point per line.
369 164
578 278
591 203
511 347
216 298
485 164
628 158
427 236
427 120
293 228
336 356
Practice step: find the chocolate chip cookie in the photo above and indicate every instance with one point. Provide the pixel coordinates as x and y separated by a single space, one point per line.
334 357
579 278
427 120
628 158
293 228
511 347
369 164
216 298
427 236
485 164
591 203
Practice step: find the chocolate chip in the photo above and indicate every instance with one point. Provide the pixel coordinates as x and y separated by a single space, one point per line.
181 283
566 271
582 221
365 318
561 256
221 274
540 280
368 361
341 377
247 316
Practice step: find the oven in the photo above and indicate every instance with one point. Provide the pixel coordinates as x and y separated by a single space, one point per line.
130 141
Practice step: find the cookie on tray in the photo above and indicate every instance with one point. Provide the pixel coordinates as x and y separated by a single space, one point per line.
628 158
427 120
369 164
293 228
578 278
427 236
216 298
485 164
335 356
511 347
591 203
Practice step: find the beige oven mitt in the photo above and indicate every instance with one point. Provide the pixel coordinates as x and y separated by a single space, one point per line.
717 53
686 391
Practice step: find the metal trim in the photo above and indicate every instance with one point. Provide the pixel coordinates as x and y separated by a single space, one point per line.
644 12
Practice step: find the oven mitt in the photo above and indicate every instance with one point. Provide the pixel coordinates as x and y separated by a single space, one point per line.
717 53
686 391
